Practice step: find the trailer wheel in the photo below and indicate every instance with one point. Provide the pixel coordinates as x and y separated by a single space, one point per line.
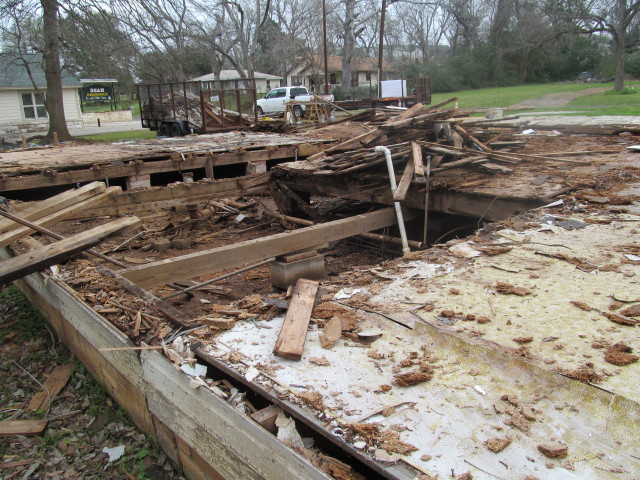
176 130
297 111
165 130
259 111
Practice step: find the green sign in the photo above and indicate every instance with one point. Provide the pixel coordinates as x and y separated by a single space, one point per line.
97 93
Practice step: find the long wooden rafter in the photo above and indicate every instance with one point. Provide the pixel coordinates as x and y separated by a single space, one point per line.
251 251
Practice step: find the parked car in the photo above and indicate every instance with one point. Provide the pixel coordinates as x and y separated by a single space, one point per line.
276 100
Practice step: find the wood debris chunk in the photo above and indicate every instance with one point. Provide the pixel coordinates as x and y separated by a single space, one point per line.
511 399
581 305
52 386
508 289
554 450
219 323
620 320
331 333
466 476
412 378
313 399
523 340
320 361
492 250
620 355
498 444
390 441
632 311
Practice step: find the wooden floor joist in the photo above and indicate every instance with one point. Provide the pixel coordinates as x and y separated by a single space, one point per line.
251 251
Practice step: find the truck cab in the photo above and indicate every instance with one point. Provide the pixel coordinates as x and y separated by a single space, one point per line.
275 101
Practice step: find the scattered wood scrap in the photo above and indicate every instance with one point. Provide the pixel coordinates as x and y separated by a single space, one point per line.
51 387
25 428
293 334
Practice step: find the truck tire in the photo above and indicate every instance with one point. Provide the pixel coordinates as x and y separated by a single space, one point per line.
165 130
297 111
176 130
259 111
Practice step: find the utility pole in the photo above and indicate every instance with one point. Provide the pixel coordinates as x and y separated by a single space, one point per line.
380 49
324 36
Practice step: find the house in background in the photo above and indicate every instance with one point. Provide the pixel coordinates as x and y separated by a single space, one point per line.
232 80
309 72
22 107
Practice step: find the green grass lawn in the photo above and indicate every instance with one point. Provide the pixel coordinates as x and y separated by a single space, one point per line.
595 104
120 136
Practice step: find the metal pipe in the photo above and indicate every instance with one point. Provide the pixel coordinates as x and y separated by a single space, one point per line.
394 187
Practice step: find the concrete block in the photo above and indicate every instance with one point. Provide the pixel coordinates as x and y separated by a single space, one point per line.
138 181
285 274
256 167
180 243
161 245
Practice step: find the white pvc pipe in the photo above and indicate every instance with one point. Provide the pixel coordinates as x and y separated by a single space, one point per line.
394 187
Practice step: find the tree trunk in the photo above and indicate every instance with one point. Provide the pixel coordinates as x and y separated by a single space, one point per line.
620 38
349 43
53 74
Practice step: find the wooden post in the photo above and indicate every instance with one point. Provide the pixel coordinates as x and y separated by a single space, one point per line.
55 138
208 169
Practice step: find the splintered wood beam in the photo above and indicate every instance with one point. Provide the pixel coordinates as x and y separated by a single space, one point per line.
257 250
36 260
35 210
405 182
293 334
11 236
417 159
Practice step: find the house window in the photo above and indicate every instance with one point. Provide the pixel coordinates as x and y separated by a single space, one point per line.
33 105
268 84
367 76
296 80
332 79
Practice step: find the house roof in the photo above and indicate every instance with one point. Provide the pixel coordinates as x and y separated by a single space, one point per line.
234 75
14 72
334 64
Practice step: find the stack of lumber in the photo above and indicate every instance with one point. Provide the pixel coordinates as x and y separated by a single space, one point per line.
32 218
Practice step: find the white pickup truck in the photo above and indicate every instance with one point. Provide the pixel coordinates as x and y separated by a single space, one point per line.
275 101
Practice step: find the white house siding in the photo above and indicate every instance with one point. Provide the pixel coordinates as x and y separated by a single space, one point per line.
71 102
12 119
10 109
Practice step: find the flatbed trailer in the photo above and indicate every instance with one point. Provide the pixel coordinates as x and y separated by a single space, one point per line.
175 109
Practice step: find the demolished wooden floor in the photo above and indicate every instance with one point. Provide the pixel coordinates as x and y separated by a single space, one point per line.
489 355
